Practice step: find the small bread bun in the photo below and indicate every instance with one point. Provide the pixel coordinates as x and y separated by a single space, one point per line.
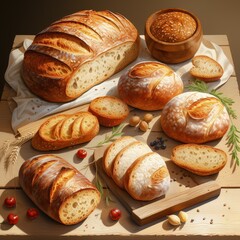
149 85
206 68
194 117
109 110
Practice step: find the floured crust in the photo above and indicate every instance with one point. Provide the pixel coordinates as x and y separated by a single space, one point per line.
209 122
149 85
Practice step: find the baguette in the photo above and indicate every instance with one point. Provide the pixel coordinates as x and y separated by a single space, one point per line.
65 130
58 189
202 160
206 69
110 111
78 52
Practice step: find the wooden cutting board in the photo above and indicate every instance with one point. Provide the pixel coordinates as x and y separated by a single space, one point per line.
183 193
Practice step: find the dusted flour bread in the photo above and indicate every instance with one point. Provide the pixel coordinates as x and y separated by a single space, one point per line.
58 189
133 166
77 52
110 111
65 130
206 68
149 85
200 159
194 117
147 178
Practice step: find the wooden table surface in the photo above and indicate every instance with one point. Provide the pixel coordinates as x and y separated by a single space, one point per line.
218 217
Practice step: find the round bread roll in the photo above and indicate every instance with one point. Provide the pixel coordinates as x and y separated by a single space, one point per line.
194 117
149 85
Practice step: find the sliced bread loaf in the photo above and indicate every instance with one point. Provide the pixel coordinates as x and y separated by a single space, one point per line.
147 178
113 150
206 68
110 111
200 159
125 158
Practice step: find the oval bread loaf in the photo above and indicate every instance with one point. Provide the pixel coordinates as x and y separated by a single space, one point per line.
77 52
202 160
65 130
133 166
58 188
109 110
149 85
194 117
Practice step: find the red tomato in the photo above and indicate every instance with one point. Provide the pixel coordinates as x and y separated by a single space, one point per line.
32 213
10 202
115 214
12 218
81 153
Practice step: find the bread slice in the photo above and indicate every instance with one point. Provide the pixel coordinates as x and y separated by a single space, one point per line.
113 150
206 68
110 111
125 158
202 160
147 178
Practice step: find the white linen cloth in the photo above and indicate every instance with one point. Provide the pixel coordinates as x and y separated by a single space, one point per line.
31 108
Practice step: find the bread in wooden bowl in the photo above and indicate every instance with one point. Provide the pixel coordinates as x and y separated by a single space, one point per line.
109 110
206 68
202 160
58 189
173 35
149 85
194 117
78 52
65 130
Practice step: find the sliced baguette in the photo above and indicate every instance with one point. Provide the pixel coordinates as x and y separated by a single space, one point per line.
110 111
113 150
202 160
206 68
125 158
147 178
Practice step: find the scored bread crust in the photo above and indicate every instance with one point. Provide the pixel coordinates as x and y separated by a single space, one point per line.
149 85
147 178
58 189
194 117
77 52
109 110
202 160
51 137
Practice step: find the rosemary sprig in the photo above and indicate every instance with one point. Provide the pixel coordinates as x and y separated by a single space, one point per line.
116 132
233 137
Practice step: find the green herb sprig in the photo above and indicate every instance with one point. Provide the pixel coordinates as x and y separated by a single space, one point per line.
233 137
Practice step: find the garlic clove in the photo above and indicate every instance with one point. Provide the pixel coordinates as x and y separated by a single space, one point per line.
183 216
174 220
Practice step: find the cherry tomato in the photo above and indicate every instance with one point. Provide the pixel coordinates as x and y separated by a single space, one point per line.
115 214
81 153
32 213
12 218
10 202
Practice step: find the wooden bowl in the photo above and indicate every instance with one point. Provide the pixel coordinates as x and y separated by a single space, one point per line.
172 51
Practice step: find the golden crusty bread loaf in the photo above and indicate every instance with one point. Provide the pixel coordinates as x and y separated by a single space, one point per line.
77 52
206 68
65 130
58 188
194 117
202 160
109 110
149 85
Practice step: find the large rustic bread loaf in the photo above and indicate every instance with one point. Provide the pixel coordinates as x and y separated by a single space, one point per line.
149 85
65 130
202 160
109 110
133 166
58 189
194 117
77 52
